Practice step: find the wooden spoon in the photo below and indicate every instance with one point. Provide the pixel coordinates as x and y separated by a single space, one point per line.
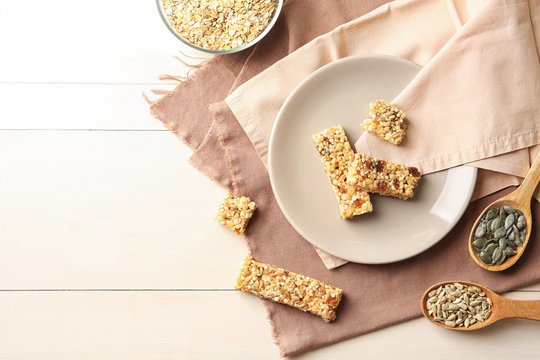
519 199
502 308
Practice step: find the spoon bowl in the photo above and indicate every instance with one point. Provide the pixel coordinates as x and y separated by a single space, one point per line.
519 199
502 308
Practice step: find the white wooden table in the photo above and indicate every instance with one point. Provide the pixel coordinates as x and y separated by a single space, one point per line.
108 249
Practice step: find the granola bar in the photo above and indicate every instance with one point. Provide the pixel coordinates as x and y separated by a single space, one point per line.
383 177
235 212
299 291
386 121
336 154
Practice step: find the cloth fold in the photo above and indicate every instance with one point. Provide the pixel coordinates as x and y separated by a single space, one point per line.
456 84
458 111
375 296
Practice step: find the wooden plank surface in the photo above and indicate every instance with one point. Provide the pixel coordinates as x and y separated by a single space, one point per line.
109 209
109 249
78 106
103 41
216 325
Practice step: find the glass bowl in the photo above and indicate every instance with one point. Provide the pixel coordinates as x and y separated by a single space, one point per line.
227 51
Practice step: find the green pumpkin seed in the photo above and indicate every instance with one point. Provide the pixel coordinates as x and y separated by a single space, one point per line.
490 248
499 233
511 244
508 209
497 223
509 251
480 231
502 243
501 260
497 253
478 244
509 221
521 225
485 257
492 213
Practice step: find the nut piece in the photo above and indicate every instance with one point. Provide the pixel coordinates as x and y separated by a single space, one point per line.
383 177
235 213
219 24
386 121
336 154
299 291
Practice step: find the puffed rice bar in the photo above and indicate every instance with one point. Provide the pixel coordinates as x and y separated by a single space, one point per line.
383 177
299 291
235 212
386 121
336 155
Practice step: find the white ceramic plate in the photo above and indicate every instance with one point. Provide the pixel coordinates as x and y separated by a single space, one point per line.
340 93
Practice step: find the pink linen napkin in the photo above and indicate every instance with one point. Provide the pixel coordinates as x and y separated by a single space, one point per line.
476 99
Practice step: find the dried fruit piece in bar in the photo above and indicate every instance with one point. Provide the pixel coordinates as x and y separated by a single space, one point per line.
336 154
235 212
386 121
383 177
285 287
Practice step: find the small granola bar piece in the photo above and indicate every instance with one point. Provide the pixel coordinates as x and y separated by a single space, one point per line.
235 212
299 291
386 121
336 155
383 177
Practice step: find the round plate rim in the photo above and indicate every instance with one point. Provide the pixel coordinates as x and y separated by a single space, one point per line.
272 175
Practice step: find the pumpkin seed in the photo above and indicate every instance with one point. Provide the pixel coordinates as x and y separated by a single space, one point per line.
499 233
497 223
480 231
478 244
509 251
497 253
492 213
485 257
509 221
490 249
501 260
508 209
502 214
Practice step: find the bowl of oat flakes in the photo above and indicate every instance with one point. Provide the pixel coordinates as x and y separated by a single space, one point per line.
219 26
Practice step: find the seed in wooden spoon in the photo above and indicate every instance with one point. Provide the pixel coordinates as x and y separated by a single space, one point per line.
458 305
497 231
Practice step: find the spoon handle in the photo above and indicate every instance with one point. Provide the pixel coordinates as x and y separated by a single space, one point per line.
525 191
524 309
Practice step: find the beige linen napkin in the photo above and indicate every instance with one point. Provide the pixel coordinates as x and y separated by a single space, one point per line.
493 26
